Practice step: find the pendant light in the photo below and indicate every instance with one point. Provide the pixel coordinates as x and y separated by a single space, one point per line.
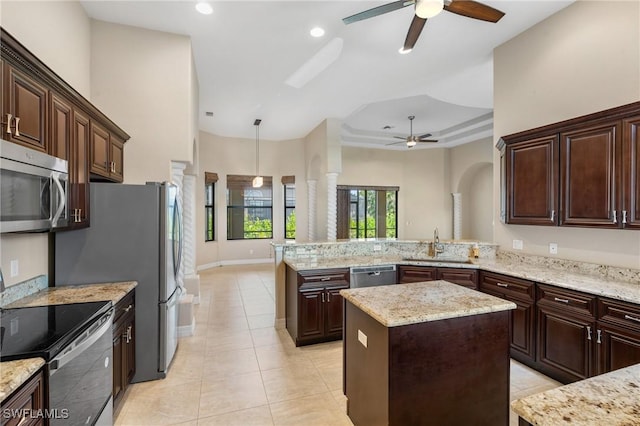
257 181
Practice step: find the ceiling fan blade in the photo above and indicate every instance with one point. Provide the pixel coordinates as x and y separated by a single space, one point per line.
426 135
380 10
414 32
428 140
395 143
400 137
475 10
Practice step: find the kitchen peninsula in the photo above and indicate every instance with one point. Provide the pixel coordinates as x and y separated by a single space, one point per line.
433 347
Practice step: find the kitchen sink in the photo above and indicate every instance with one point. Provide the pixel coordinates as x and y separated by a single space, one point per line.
438 259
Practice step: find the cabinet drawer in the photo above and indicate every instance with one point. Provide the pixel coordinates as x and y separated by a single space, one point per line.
416 274
125 305
567 300
619 313
505 285
460 276
323 277
29 397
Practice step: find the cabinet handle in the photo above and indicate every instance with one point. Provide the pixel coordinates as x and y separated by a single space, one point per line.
624 217
328 297
9 117
615 216
599 336
22 421
557 299
553 215
588 333
129 334
502 285
325 278
17 128
128 308
629 317
323 297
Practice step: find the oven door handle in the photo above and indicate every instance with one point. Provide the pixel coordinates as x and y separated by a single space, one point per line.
83 342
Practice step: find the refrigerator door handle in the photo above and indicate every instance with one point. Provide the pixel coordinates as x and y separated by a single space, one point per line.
177 229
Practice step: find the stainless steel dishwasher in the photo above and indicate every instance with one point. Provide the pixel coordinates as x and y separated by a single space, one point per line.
370 276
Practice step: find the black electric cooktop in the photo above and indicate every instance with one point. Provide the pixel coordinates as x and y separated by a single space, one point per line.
42 331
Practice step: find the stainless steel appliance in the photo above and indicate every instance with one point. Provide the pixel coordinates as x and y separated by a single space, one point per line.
135 234
369 276
33 190
76 342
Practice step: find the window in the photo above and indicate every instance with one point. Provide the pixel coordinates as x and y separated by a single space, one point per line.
210 180
289 183
249 209
367 212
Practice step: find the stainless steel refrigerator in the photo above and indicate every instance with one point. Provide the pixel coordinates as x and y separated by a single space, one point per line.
135 233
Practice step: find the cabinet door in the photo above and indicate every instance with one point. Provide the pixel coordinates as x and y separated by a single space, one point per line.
565 350
617 348
334 307
532 181
522 331
79 172
415 274
118 347
311 314
99 148
117 158
588 176
631 171
464 277
61 131
27 102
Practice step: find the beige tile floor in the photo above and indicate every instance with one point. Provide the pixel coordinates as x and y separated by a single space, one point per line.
237 369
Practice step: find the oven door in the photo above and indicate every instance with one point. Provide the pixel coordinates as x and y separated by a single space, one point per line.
81 376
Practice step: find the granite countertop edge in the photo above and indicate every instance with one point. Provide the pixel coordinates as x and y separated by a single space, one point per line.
60 295
619 290
14 374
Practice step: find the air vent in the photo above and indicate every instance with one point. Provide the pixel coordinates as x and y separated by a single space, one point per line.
209 114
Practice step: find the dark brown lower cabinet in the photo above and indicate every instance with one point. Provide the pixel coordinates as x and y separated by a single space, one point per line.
314 305
124 348
462 276
565 345
30 397
415 274
617 348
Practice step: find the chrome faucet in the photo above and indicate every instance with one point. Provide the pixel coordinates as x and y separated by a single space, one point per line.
437 246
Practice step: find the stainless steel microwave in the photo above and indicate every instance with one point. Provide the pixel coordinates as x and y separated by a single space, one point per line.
33 190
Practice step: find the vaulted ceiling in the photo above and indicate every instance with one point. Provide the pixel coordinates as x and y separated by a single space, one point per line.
246 51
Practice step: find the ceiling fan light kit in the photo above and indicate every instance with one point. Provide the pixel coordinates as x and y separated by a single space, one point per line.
411 140
428 8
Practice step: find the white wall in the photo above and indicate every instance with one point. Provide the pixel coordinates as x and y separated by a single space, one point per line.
584 59
234 156
142 80
66 50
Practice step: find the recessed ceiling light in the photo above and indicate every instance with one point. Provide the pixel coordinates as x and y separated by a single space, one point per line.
404 51
204 8
316 32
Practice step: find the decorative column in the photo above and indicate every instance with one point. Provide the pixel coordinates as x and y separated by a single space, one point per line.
191 278
457 215
332 206
312 194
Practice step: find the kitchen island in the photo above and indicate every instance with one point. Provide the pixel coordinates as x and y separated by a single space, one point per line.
426 353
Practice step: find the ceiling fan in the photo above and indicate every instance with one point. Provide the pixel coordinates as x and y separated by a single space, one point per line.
428 9
411 140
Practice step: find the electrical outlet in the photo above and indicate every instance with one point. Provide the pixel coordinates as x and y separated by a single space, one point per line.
250 251
377 247
553 248
362 338
517 244
15 268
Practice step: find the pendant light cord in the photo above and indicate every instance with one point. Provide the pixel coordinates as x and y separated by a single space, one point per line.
257 149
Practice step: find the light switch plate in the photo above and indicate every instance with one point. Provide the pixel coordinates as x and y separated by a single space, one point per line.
517 244
377 247
15 269
553 248
362 338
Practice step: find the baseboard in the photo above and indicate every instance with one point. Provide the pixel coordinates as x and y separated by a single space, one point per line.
233 262
187 330
280 324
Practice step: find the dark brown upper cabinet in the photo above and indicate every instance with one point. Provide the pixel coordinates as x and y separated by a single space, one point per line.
532 184
580 172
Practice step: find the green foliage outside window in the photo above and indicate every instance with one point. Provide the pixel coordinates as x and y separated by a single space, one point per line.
290 225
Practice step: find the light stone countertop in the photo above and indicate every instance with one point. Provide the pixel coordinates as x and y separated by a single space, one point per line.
609 399
566 278
404 304
76 294
14 373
